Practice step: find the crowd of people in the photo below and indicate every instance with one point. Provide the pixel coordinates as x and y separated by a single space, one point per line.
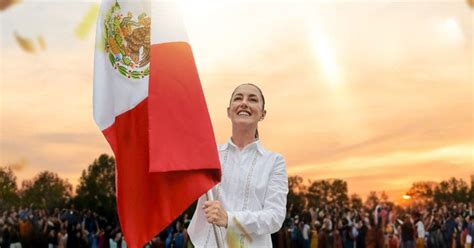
27 227
326 226
69 228
340 226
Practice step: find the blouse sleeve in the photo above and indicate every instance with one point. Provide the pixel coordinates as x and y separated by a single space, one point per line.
271 217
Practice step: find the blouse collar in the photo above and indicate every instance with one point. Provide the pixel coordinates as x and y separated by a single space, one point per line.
256 144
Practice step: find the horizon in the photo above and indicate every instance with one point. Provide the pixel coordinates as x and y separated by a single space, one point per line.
306 182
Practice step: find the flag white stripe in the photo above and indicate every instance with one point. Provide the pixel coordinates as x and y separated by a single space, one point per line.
167 16
115 94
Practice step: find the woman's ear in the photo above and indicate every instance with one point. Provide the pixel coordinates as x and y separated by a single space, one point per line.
263 115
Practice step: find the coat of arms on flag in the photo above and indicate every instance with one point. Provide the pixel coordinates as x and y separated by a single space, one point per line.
127 41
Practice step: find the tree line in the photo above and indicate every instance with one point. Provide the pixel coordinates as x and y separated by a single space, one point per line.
96 191
330 191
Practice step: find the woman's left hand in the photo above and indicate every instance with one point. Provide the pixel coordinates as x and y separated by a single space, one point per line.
215 213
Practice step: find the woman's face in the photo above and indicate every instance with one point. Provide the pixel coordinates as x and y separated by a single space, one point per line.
246 106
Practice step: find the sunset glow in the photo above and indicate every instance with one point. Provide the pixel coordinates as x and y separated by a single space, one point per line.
326 57
377 93
451 29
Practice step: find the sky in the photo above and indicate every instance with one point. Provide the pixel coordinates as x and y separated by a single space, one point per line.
378 93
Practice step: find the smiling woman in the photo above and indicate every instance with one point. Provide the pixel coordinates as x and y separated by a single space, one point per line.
251 198
249 114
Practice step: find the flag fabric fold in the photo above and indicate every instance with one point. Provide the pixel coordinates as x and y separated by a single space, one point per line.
149 104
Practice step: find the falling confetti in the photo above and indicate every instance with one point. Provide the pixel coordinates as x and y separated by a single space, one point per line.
233 239
28 45
244 231
471 3
25 44
4 4
41 42
85 26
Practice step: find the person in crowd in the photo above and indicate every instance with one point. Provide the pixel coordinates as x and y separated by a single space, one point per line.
420 231
408 233
306 233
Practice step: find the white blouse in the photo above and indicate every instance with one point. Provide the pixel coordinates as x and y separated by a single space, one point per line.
253 190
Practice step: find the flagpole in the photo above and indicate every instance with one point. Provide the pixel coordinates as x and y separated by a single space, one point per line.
217 229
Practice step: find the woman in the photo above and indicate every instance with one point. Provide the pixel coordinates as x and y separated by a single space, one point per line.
251 198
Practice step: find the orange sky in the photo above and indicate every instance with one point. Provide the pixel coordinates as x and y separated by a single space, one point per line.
378 93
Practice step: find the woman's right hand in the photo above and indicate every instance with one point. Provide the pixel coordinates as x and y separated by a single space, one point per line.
215 213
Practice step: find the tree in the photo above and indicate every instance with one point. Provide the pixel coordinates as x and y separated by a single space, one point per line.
327 191
296 193
422 191
372 200
46 190
339 191
450 191
8 189
383 197
471 192
356 201
96 189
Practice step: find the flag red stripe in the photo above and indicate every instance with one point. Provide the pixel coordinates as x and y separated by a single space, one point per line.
148 202
178 104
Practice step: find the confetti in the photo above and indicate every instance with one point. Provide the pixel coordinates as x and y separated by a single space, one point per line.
85 26
25 44
41 42
5 4
244 231
233 239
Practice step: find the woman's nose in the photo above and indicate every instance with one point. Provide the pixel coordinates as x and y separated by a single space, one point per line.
244 104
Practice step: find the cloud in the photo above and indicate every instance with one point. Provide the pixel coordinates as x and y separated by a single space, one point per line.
76 138
392 174
19 165
458 154
58 152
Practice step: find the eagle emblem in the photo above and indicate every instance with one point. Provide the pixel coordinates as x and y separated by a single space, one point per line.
127 42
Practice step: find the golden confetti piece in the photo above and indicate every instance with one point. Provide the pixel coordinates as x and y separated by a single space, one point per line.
4 4
85 26
242 230
232 238
471 3
25 44
41 42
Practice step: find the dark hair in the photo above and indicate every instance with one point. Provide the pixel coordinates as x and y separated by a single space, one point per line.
261 94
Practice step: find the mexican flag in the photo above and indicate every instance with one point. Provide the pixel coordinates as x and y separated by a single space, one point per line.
149 104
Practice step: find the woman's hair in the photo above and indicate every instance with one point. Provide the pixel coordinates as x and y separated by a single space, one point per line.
261 94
